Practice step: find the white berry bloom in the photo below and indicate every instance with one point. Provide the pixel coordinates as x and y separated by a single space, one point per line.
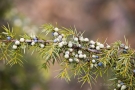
119 81
94 56
115 89
14 47
70 44
77 60
67 52
76 55
126 47
70 49
57 39
66 56
84 56
101 45
93 61
80 56
108 46
42 45
97 48
95 65
78 45
81 38
92 42
60 44
70 60
123 87
118 85
60 36
86 39
92 46
91 65
76 39
55 34
98 43
64 42
22 39
17 42
79 52
56 29
32 43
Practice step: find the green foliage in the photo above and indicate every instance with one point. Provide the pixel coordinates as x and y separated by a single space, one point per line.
77 56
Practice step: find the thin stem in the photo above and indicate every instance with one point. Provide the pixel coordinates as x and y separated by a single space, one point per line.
27 41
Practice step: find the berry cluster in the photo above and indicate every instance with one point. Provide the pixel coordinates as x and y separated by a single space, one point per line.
32 42
74 56
59 38
17 43
96 45
74 48
95 61
121 85
124 47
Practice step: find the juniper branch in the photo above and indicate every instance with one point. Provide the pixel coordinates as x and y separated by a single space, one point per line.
77 55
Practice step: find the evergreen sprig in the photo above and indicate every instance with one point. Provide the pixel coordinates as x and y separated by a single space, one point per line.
79 57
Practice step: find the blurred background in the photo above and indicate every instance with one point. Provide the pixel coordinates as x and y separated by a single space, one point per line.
100 19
